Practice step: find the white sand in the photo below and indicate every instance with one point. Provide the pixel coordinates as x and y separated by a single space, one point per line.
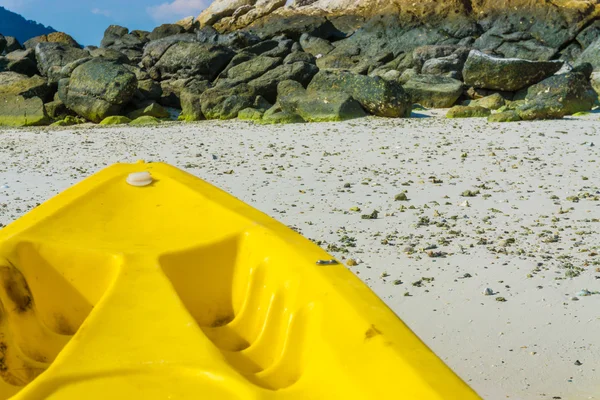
524 348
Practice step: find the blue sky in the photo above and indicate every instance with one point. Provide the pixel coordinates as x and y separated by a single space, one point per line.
86 20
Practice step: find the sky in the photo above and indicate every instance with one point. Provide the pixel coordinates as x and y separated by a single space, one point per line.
86 20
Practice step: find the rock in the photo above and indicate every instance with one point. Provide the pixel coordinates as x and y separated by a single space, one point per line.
63 38
115 120
190 100
511 74
434 91
572 90
225 103
492 102
541 109
145 120
21 111
54 37
188 23
99 89
444 66
266 85
188 59
112 34
152 110
317 106
2 43
13 84
110 54
56 109
392 76
20 61
297 56
595 81
452 53
468 112
376 95
69 120
506 116
56 55
251 69
12 44
591 55
56 73
166 30
149 89
315 45
407 75
250 114
275 115
171 92
221 8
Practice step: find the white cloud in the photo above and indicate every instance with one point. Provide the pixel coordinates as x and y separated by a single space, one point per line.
170 12
98 11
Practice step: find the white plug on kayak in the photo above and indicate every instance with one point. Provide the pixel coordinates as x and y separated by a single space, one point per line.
139 179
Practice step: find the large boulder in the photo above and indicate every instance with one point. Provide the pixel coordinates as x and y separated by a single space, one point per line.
54 37
507 74
591 55
120 39
315 45
12 44
317 106
56 55
22 111
226 103
251 69
376 95
99 88
20 61
165 30
468 112
538 109
189 59
434 91
573 91
266 84
13 84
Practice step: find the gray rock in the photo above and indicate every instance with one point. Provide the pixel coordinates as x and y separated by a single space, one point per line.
376 95
188 59
573 91
12 44
317 106
591 55
225 103
99 88
297 56
190 100
166 30
251 69
266 85
434 91
315 45
507 74
56 55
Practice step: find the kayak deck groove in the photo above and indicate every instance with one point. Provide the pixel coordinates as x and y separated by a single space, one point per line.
158 285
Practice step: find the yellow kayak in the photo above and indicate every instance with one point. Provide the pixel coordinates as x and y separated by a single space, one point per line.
145 282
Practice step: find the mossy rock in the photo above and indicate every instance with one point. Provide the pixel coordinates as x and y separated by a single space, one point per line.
145 120
250 114
153 110
69 120
541 109
505 116
275 115
115 120
468 112
491 102
21 111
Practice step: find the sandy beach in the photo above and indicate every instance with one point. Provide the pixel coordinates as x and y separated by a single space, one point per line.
491 257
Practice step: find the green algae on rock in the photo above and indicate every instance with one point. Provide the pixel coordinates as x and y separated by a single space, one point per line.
505 116
145 120
20 111
115 120
468 112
